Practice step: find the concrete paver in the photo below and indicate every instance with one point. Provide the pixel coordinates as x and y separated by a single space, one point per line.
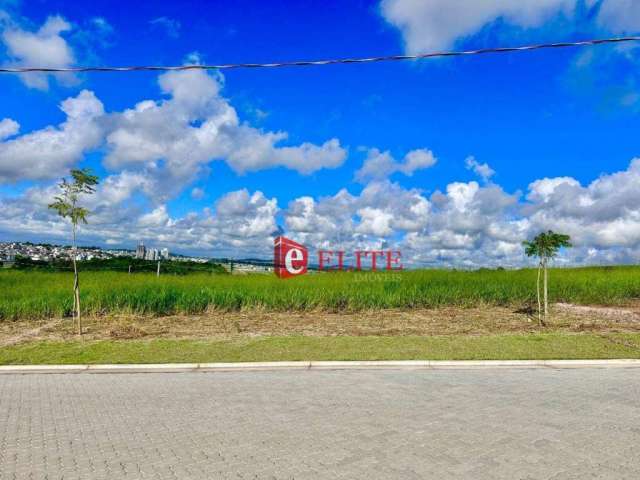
481 424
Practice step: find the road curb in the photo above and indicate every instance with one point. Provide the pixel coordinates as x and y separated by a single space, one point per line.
321 365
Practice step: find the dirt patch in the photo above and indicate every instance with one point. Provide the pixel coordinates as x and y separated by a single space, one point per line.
439 321
126 332
624 314
16 333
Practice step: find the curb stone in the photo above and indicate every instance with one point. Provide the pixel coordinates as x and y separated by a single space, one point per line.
319 365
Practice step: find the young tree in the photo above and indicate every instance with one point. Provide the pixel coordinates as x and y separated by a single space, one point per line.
545 246
66 205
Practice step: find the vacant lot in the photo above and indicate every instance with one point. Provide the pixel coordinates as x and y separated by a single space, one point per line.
435 314
39 295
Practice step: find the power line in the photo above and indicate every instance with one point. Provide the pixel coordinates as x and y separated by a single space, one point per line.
307 63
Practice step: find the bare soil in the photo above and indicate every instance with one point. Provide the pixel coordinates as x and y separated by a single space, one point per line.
441 321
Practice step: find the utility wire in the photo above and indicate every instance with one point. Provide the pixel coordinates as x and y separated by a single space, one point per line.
388 58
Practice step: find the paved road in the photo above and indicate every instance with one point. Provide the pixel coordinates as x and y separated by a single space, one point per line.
489 424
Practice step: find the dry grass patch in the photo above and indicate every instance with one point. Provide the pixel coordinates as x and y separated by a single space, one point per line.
485 320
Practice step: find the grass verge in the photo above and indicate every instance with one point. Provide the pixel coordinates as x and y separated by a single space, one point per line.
490 347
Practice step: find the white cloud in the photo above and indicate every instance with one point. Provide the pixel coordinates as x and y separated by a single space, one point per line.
375 221
620 15
196 126
156 218
243 215
380 165
49 152
470 225
45 47
466 224
8 128
346 221
116 189
170 25
417 160
542 190
242 224
172 140
197 193
430 25
326 219
603 214
101 25
155 149
483 170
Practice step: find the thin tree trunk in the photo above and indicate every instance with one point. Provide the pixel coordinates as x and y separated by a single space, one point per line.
79 319
76 284
75 301
546 301
540 322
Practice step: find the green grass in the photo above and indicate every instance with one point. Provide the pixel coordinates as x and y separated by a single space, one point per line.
40 295
522 347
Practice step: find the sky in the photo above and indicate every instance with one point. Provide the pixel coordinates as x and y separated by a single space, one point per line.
452 161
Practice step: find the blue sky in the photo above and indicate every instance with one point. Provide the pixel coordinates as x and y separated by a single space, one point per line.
528 117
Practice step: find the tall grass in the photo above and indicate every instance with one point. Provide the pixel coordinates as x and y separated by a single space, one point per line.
41 295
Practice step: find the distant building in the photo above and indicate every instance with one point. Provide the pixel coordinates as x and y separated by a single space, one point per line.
164 253
8 260
141 251
152 254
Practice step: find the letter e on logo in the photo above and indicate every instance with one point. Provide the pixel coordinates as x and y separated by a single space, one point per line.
289 258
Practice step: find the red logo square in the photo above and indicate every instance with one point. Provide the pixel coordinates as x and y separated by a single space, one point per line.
289 258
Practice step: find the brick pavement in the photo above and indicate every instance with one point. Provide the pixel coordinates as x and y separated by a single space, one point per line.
481 424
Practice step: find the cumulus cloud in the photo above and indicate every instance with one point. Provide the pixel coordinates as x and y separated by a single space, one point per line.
8 128
380 165
471 225
158 217
483 170
347 221
620 15
45 153
603 214
172 140
45 47
242 215
465 224
195 126
241 223
431 25
154 150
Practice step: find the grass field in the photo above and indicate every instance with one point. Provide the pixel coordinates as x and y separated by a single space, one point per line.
36 295
493 347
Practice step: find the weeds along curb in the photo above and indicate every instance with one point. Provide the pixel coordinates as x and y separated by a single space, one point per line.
321 365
